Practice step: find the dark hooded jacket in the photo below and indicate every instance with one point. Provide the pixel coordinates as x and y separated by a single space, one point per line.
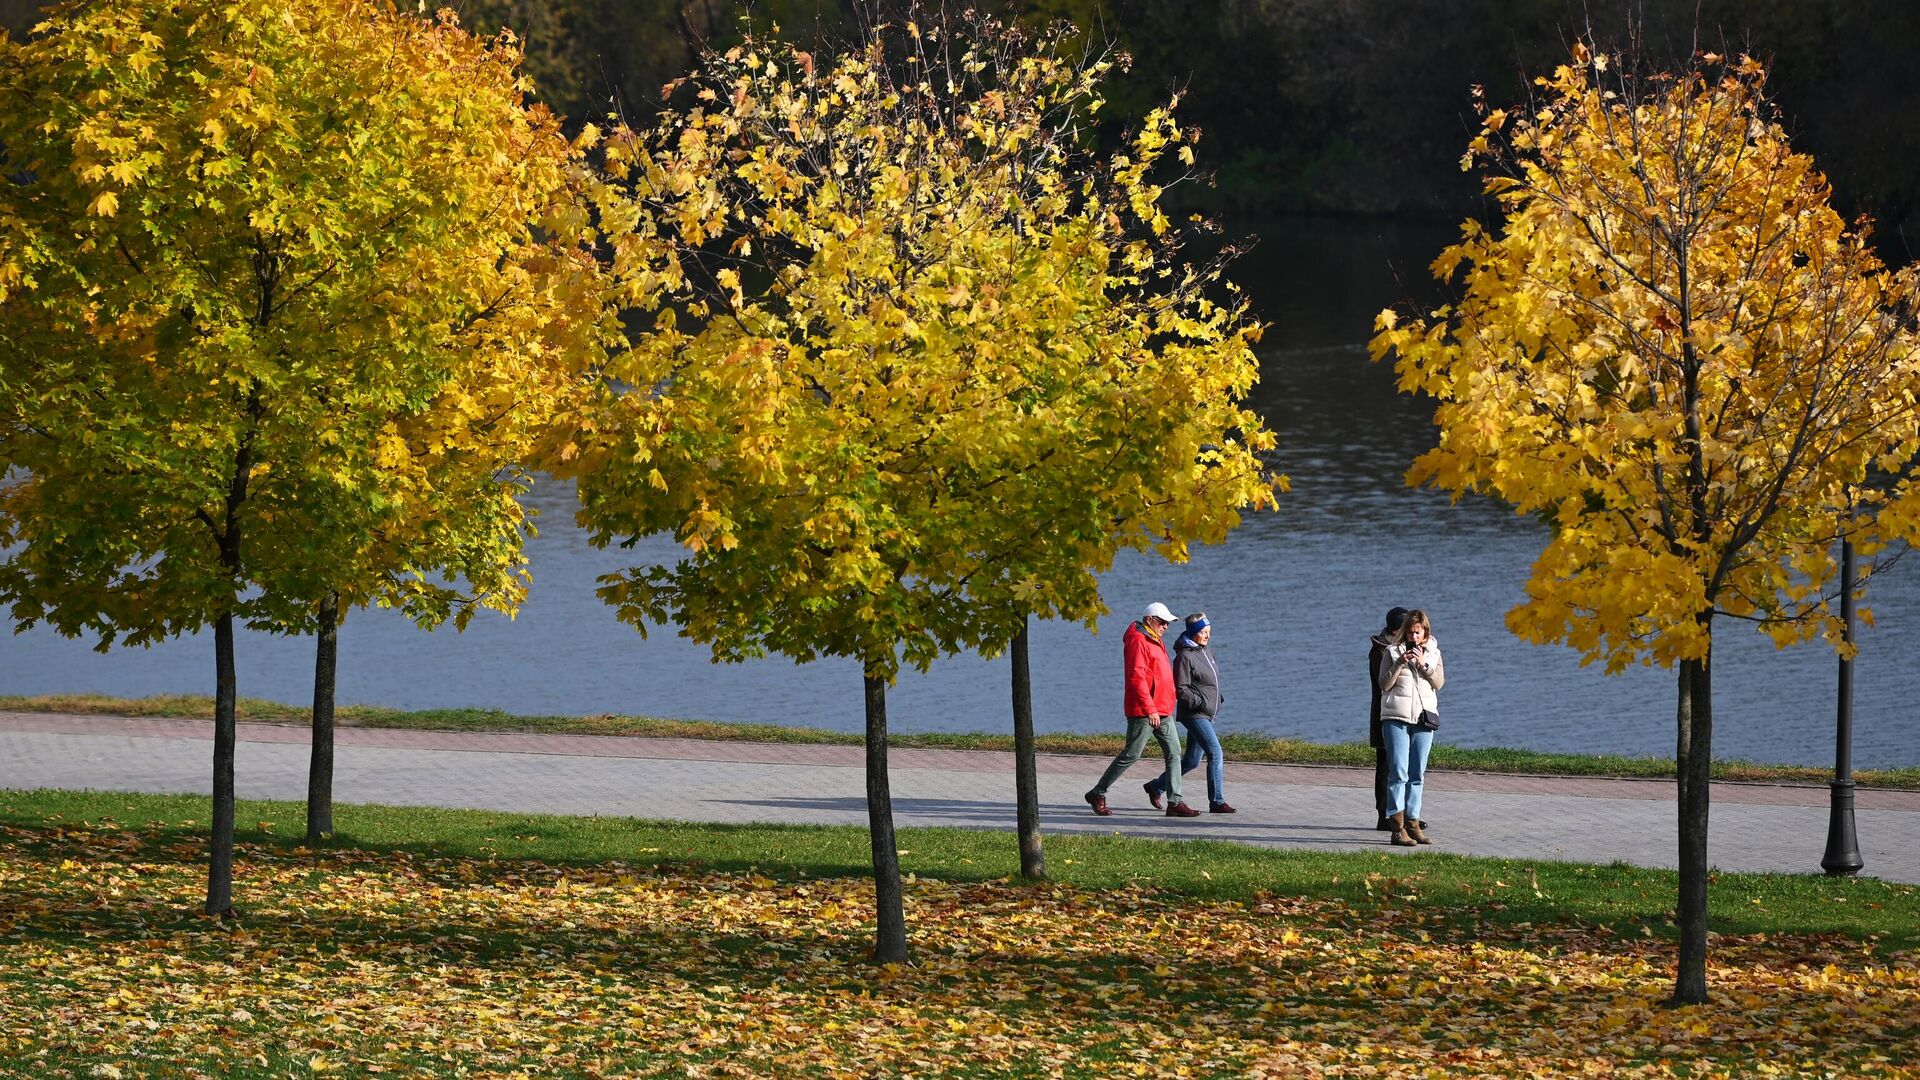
1379 649
1196 678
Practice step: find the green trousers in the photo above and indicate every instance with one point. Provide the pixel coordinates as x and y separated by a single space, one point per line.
1167 735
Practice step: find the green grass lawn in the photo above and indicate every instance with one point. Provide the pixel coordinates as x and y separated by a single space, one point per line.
1462 892
429 943
1238 746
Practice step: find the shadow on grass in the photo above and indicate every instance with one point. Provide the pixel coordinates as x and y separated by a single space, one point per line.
1460 896
1317 973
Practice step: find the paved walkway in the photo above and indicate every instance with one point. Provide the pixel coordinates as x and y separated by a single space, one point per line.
1755 827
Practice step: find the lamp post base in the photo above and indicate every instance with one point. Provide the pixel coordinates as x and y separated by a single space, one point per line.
1843 847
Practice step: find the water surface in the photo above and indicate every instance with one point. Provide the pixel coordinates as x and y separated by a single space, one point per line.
1293 596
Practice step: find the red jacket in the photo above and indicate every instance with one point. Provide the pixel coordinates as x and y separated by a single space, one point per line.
1149 675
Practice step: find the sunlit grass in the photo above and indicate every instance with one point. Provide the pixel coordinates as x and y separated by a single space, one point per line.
438 942
1479 891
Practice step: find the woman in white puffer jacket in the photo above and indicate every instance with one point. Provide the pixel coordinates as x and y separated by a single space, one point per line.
1411 675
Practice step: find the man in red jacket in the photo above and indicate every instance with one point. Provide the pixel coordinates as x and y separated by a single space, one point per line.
1149 708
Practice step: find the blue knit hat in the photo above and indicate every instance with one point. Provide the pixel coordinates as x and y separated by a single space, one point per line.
1197 622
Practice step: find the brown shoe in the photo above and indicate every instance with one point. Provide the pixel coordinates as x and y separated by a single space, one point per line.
1414 830
1220 808
1181 809
1400 837
1153 796
1099 804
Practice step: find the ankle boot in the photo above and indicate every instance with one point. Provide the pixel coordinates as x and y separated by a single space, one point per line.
1400 837
1413 829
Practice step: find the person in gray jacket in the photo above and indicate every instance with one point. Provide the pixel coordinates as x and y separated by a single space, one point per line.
1196 682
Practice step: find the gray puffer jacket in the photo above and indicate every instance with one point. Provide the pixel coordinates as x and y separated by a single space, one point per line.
1196 678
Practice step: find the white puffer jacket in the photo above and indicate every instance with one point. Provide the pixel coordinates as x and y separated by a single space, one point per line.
1406 687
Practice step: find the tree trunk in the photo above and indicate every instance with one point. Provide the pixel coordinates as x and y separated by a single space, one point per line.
326 656
220 861
1033 861
1693 759
890 920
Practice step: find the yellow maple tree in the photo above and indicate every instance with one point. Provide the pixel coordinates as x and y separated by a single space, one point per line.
920 363
1675 354
287 289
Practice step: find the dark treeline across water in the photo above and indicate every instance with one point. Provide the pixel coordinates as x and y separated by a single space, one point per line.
1322 106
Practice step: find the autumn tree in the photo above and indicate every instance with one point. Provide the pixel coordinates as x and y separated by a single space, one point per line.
448 544
915 372
1677 356
285 287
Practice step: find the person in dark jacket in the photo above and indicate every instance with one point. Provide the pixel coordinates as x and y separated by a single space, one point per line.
1149 702
1196 683
1380 641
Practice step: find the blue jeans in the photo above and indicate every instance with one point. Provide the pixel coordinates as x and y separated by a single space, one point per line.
1407 749
1200 739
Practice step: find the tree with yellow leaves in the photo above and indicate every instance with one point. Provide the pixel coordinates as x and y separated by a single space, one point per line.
286 287
920 363
1676 355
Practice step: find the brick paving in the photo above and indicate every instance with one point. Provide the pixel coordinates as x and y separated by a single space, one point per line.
1755 826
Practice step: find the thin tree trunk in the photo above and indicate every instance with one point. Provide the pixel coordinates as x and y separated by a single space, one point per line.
890 919
226 692
1694 761
220 861
326 656
1026 782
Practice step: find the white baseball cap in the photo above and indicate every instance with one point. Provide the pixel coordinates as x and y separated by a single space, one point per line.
1157 610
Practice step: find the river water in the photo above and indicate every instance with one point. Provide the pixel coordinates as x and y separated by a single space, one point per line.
1293 595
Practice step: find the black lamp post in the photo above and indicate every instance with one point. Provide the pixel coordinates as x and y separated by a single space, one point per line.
1843 848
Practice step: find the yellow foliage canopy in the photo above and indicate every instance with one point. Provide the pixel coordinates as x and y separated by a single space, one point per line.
1674 353
312 274
921 363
